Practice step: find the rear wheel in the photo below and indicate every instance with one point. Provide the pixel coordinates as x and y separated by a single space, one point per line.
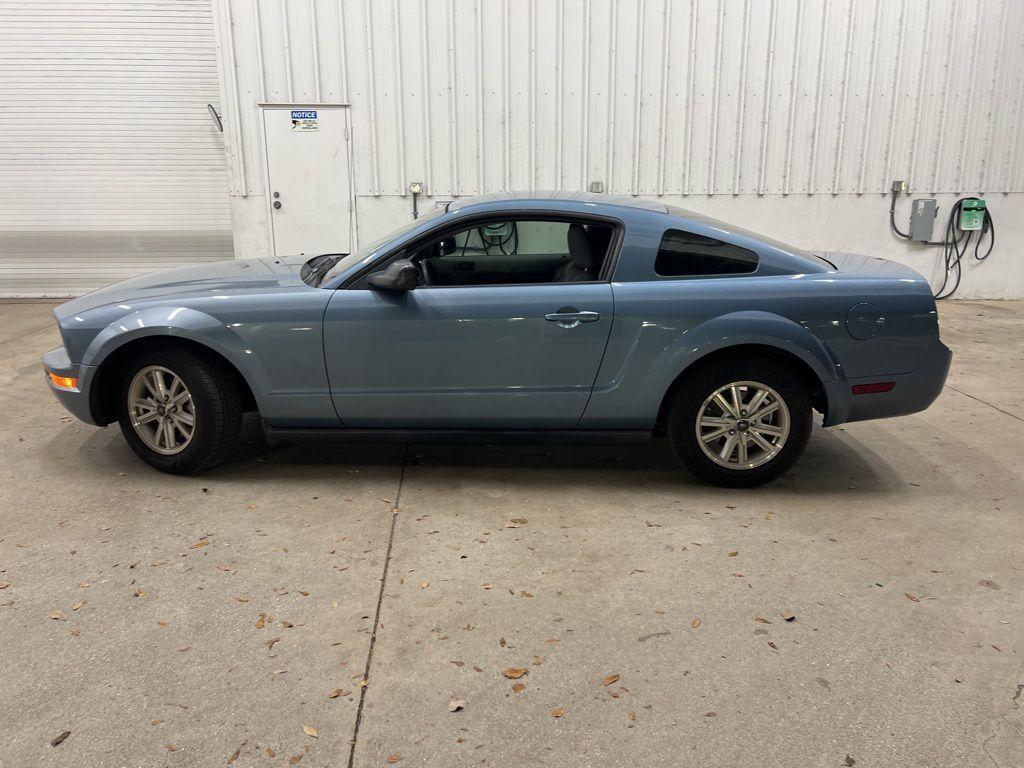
740 423
179 412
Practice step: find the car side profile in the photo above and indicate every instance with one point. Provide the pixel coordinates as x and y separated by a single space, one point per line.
576 317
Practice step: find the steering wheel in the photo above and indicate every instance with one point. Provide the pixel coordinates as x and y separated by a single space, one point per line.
426 272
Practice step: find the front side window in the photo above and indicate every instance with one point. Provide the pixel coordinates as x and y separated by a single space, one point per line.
514 251
685 254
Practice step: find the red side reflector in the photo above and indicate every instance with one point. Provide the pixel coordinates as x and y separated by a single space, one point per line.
871 389
64 382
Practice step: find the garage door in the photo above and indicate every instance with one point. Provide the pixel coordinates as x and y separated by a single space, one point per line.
110 164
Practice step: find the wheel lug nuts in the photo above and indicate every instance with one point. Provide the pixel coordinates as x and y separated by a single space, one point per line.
732 431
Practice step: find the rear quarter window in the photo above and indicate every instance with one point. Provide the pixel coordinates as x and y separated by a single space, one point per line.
685 254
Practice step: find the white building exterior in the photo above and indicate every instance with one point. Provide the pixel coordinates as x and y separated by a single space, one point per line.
790 117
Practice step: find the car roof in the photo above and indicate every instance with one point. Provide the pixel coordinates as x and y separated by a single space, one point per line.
541 196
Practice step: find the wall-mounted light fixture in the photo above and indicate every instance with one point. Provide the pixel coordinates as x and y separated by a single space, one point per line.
416 188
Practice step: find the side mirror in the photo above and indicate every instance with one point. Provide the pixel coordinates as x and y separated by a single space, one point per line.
399 275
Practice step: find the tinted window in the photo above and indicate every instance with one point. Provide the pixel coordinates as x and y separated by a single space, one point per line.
684 254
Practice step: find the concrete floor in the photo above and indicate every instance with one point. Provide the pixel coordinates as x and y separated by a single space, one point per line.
898 544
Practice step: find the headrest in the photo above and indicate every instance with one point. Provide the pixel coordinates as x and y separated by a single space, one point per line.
581 251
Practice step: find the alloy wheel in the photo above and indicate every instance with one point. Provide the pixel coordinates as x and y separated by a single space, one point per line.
162 411
742 425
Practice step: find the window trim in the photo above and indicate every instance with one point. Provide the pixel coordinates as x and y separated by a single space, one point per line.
711 275
517 214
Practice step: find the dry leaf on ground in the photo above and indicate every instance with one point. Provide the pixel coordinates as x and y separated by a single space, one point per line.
514 673
236 753
558 712
610 679
912 597
695 623
761 620
518 688
734 553
788 616
311 731
58 739
424 584
393 758
58 615
456 704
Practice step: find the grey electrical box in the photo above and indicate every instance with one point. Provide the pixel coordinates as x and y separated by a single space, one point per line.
922 218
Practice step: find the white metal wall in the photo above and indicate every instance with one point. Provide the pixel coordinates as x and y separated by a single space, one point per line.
650 97
109 163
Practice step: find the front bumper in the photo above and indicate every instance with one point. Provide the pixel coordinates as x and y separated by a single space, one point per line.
912 392
76 399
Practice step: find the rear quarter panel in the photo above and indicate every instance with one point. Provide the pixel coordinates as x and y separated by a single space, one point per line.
663 325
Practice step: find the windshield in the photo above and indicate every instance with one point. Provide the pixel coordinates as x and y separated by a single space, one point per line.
369 250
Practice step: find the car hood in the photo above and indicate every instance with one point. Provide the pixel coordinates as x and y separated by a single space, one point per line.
199 280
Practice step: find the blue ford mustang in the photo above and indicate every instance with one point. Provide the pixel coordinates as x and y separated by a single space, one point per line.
555 316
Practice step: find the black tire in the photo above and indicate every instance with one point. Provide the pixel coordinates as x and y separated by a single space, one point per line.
216 400
703 383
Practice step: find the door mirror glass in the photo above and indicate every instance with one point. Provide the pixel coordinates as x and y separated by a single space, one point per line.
399 275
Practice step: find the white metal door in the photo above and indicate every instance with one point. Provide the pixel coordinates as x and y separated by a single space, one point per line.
308 179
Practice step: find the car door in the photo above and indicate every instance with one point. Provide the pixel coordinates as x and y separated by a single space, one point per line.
477 356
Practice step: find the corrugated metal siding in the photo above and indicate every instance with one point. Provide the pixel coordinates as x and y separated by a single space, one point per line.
649 96
109 162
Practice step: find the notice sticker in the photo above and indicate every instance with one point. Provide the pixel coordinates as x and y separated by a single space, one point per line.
304 120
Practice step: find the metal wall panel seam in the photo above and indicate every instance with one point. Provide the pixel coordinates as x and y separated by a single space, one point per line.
236 106
958 181
533 94
506 53
944 108
343 42
766 112
690 85
991 110
638 83
709 187
920 95
1015 181
666 65
314 33
585 108
741 105
813 166
851 25
453 127
897 71
400 100
258 30
371 97
479 53
428 147
870 101
559 97
286 42
610 138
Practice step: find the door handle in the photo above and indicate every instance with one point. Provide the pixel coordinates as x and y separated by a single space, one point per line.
571 319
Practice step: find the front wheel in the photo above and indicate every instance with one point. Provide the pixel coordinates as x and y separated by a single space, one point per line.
740 424
178 411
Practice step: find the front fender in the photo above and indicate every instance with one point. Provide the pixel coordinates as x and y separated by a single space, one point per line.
181 323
